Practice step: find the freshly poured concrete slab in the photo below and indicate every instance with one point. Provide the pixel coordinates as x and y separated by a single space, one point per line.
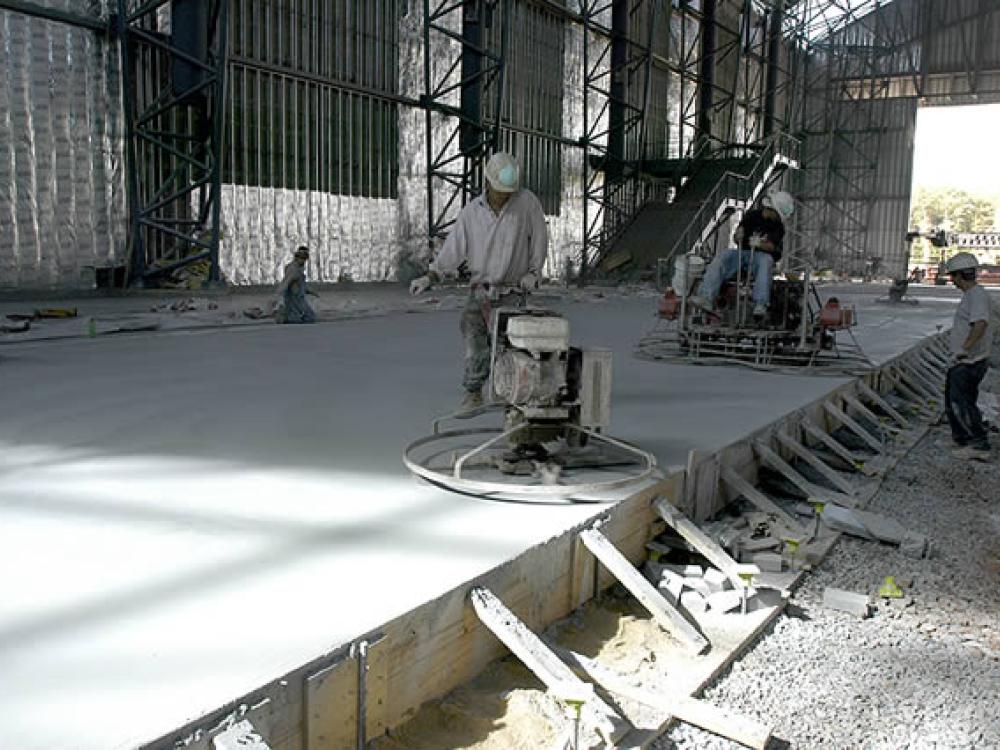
186 515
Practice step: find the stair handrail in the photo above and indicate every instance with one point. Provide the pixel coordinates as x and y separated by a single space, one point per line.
735 191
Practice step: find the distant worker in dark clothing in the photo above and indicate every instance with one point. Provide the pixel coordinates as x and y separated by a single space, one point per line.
292 306
759 237
970 342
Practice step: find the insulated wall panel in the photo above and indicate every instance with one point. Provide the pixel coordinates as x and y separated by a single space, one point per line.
62 206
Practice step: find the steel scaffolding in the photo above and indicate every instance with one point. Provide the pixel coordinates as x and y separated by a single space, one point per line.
174 97
617 79
306 98
459 138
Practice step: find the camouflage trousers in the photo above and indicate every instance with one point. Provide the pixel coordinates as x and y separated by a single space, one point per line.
477 317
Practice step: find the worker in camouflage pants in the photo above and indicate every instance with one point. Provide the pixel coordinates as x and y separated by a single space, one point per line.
475 327
502 238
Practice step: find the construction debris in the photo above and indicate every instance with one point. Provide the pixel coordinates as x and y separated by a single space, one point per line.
847 601
874 526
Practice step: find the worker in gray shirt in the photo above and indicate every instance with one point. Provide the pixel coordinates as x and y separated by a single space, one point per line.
970 342
502 238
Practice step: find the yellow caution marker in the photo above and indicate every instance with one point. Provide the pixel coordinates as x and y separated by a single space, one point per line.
889 589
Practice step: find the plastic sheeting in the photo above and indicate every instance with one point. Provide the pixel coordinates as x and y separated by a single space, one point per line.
62 205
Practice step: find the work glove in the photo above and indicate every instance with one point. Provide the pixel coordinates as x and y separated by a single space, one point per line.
528 282
756 240
421 285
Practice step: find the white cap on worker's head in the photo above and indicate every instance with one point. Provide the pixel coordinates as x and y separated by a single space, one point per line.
781 202
961 262
503 173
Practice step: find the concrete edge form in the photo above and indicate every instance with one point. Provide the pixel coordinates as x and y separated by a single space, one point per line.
386 675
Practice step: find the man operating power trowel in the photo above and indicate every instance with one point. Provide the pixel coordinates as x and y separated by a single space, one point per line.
502 238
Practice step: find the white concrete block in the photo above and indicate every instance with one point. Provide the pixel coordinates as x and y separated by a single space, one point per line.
693 602
698 584
671 586
768 562
686 571
846 601
716 580
914 545
749 544
725 601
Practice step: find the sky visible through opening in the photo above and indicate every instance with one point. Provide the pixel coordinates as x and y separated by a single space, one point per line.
958 147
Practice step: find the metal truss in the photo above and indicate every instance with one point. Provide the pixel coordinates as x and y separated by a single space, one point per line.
174 95
617 79
458 136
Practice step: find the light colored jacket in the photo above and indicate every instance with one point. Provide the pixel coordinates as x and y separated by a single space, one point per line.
498 249
294 279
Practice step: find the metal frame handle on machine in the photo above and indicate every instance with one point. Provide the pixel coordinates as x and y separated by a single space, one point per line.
456 481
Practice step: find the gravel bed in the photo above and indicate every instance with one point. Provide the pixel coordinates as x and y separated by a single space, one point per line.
923 672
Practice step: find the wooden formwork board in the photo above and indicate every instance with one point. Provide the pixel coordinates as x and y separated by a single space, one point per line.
440 645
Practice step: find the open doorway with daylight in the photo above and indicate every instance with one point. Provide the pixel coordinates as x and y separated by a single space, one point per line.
955 196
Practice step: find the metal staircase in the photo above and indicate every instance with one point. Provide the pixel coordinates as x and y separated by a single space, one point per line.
714 188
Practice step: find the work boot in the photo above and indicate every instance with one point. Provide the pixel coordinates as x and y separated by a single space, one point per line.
969 452
473 400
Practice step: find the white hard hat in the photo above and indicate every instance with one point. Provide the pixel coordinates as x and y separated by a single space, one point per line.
961 262
781 202
503 173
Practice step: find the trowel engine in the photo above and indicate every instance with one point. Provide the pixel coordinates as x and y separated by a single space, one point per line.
555 402
549 389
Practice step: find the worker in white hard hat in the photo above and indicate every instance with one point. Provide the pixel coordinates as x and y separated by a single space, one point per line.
759 238
502 238
292 306
970 342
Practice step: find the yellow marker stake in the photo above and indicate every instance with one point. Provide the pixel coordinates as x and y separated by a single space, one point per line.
577 706
889 589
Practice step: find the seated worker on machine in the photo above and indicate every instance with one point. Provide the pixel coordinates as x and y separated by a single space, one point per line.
759 235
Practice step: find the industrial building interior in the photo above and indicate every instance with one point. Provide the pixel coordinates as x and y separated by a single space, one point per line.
221 532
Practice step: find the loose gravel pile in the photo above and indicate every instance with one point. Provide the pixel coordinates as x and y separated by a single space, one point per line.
922 672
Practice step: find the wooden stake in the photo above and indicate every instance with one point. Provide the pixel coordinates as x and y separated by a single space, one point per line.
789 472
719 721
762 502
705 544
882 404
833 444
845 418
831 474
669 618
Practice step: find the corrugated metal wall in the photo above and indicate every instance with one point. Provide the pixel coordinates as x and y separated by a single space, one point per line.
326 146
62 193
859 133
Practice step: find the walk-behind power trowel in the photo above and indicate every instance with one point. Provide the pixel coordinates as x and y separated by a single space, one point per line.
554 401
